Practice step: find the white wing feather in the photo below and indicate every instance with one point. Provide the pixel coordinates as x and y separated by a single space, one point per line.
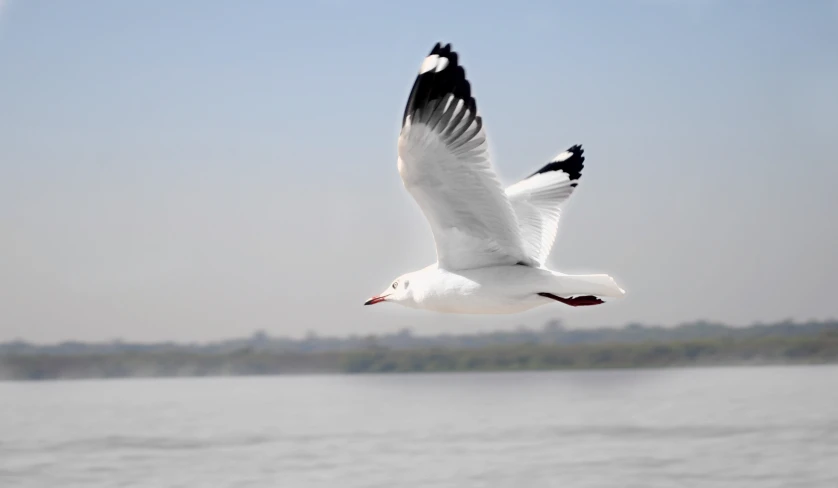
444 164
537 201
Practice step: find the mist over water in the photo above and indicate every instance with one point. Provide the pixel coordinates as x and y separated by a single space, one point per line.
725 427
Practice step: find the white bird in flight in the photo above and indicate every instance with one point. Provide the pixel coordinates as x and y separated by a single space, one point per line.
491 243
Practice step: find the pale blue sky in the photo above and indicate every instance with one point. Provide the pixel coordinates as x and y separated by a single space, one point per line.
200 169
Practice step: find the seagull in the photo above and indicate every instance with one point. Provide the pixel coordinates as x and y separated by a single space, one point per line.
491 243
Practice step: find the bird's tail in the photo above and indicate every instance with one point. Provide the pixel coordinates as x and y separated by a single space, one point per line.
598 285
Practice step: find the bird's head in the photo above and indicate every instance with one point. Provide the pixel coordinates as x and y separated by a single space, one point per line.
397 291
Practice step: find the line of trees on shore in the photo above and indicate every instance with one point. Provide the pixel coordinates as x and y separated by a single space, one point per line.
552 347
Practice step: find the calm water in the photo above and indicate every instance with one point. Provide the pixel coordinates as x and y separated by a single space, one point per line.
760 427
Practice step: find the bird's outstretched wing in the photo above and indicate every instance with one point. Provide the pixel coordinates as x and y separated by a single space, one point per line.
537 201
444 164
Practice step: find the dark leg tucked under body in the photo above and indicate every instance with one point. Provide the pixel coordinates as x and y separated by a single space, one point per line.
575 301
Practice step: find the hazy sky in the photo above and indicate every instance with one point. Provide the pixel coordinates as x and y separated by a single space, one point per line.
200 169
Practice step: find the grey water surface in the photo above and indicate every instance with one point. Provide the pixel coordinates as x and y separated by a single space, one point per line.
714 427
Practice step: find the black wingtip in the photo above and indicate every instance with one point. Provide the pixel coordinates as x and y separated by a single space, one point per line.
438 79
570 161
441 49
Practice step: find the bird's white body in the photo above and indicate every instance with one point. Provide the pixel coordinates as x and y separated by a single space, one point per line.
491 242
496 289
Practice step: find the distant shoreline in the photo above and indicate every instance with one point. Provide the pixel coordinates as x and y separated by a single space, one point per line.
759 351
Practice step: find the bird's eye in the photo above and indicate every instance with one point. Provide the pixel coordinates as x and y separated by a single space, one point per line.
395 284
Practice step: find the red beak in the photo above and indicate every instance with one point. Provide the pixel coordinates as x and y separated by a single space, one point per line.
374 300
